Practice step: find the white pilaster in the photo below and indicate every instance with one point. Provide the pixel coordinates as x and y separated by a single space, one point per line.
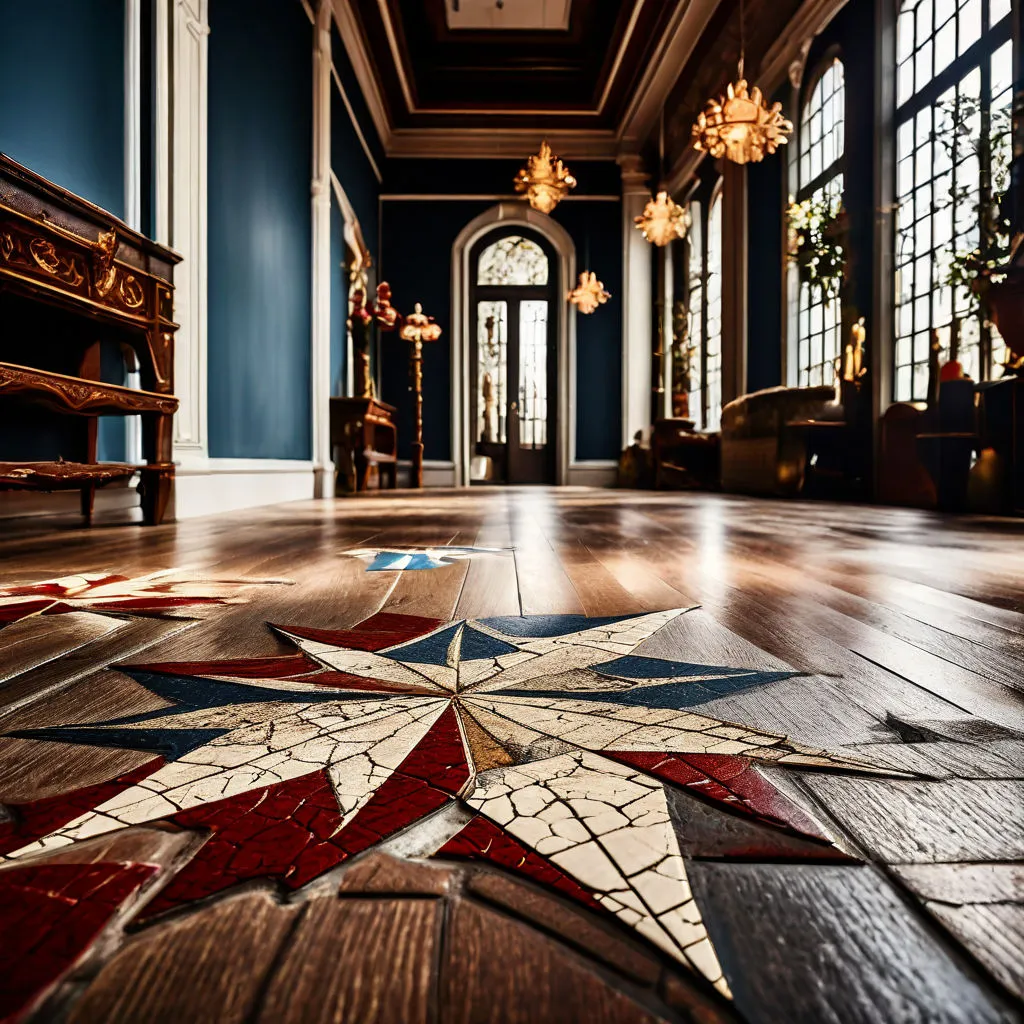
133 176
637 302
189 33
323 465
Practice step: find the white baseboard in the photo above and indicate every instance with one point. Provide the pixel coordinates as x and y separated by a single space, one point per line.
204 488
436 473
592 473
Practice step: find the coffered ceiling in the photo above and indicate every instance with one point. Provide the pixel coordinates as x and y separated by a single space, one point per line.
453 78
488 81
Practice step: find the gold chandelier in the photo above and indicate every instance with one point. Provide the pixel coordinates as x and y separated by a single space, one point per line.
589 293
545 180
663 220
740 126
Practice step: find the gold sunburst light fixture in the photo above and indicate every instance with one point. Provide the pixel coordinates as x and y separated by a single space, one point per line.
545 180
740 126
589 293
663 220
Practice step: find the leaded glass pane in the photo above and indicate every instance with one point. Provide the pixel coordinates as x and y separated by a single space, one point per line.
492 371
713 333
533 373
512 260
941 151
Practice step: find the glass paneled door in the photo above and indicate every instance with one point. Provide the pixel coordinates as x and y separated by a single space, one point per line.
513 358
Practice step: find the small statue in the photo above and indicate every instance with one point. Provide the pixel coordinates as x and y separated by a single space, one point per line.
490 410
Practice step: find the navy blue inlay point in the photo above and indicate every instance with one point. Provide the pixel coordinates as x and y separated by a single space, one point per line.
195 693
428 650
675 695
538 627
172 743
477 646
634 666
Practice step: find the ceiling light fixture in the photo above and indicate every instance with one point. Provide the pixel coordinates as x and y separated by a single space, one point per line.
589 293
545 180
739 125
663 220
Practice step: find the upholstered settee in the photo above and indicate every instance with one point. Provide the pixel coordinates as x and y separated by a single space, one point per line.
759 454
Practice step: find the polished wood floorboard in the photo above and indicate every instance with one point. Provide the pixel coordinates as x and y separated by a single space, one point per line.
892 635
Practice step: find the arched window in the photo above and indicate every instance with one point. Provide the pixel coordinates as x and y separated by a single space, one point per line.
953 95
695 313
713 319
822 146
514 261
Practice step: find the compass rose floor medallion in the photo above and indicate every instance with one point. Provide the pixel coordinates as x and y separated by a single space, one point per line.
544 745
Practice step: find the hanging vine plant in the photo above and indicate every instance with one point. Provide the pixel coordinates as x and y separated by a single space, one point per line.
817 231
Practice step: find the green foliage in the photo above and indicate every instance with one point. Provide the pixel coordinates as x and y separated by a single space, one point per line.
960 132
817 227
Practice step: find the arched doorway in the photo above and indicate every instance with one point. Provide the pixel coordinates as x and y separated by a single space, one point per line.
513 218
513 357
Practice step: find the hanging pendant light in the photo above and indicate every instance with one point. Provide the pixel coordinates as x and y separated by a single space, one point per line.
589 293
739 125
545 180
663 219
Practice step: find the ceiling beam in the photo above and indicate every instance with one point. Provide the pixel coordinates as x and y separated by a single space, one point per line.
689 19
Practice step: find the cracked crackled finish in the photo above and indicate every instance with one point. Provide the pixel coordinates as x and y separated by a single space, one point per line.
112 594
563 741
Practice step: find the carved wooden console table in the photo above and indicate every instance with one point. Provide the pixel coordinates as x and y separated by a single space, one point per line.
73 276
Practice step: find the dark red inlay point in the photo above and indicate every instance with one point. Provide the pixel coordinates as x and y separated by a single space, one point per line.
49 916
727 781
385 629
481 839
38 818
291 832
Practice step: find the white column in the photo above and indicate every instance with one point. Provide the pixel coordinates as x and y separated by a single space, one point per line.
186 159
323 465
637 302
133 177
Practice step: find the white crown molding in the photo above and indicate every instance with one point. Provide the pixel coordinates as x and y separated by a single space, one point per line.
362 65
677 44
680 39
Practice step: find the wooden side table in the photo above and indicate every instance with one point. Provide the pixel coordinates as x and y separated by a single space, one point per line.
364 436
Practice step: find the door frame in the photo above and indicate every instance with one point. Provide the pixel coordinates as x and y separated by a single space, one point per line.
512 214
514 295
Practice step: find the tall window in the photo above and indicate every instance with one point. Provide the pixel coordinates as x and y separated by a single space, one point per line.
695 313
953 96
821 185
713 319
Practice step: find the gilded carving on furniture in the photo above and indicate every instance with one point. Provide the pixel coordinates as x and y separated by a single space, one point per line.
104 273
74 395
132 293
37 254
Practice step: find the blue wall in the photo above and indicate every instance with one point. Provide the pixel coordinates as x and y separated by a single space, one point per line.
416 242
62 115
62 94
596 230
260 132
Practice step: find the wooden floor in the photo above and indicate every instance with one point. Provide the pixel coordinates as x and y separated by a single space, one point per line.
890 637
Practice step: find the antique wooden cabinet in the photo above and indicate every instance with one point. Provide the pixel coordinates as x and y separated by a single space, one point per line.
75 281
